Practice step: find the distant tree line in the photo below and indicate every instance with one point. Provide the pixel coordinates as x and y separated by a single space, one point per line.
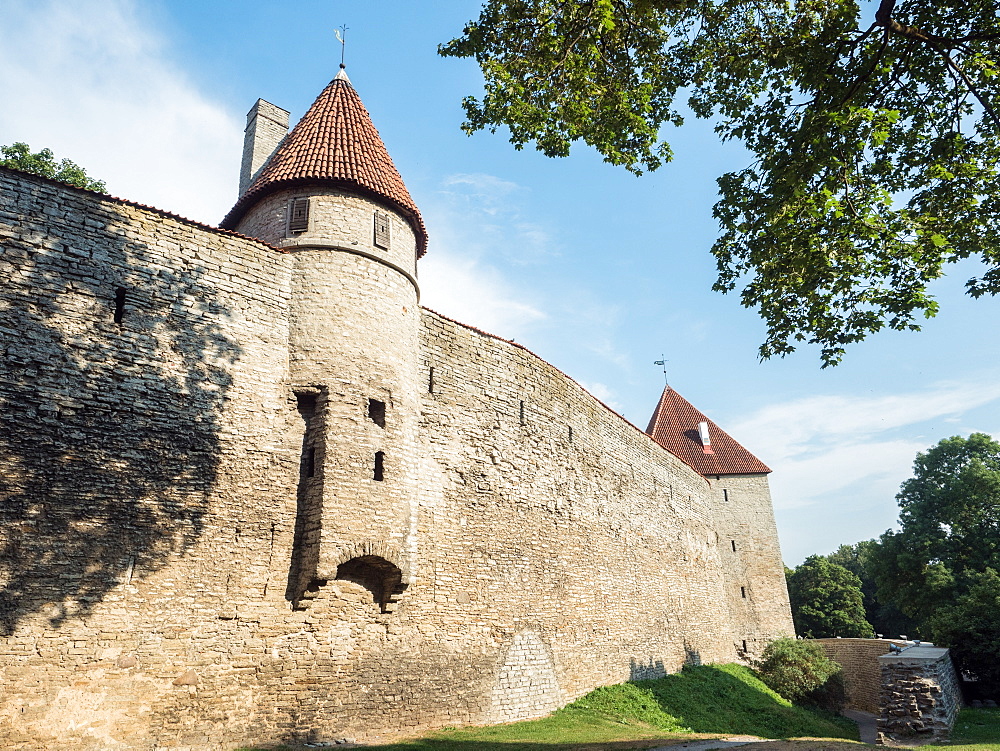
18 156
936 578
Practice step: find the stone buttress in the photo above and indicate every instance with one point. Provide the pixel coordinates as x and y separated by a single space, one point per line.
331 196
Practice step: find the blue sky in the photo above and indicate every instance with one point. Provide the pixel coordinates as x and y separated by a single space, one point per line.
595 270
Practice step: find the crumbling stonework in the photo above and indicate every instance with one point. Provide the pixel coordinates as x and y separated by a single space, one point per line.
251 494
920 696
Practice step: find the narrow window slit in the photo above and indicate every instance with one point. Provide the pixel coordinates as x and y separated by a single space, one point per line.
379 471
521 413
743 592
570 433
376 412
725 495
733 542
430 382
119 304
744 645
311 462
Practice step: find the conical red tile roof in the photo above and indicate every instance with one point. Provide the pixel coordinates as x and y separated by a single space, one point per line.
674 426
335 143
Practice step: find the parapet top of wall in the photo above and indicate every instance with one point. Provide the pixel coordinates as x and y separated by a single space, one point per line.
27 177
915 655
547 366
858 641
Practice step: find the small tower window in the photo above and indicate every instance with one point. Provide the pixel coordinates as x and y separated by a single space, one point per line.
430 382
119 305
378 474
725 495
743 592
733 542
382 230
298 215
376 412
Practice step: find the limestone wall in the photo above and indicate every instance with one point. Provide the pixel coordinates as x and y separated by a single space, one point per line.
337 218
152 497
146 491
531 485
862 672
748 543
920 696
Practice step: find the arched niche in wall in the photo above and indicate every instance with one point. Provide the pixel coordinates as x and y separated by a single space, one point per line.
382 578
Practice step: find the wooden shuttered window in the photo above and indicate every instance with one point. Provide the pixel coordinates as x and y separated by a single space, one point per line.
298 215
381 230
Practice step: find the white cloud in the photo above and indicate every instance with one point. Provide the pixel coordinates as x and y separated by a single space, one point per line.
838 461
485 213
804 426
463 288
476 221
824 444
604 394
880 464
488 191
486 267
92 81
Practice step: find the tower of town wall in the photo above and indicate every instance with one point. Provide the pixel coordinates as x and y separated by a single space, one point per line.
757 598
354 237
744 525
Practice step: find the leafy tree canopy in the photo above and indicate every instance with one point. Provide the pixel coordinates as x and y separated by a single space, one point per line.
884 617
826 601
874 141
970 626
941 567
19 156
949 527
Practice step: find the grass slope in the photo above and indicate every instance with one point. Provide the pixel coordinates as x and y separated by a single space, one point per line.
715 699
704 699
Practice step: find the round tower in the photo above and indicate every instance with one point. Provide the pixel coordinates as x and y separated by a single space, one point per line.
330 196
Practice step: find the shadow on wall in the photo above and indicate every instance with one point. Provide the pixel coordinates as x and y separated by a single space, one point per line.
643 671
112 382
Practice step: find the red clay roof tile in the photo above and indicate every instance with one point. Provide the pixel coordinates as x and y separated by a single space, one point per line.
334 143
674 426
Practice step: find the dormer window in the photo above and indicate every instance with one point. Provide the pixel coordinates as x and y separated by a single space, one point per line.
298 215
382 230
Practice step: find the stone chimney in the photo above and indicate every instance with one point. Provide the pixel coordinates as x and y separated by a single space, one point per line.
267 125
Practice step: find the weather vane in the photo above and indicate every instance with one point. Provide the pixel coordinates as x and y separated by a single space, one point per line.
343 44
663 362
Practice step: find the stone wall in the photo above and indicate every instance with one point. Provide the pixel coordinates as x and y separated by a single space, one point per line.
156 491
532 484
920 696
146 488
747 543
862 671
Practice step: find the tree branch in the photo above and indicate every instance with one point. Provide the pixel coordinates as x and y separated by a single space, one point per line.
968 82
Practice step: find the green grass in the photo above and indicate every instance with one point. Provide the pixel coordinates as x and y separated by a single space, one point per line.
710 699
717 699
976 730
